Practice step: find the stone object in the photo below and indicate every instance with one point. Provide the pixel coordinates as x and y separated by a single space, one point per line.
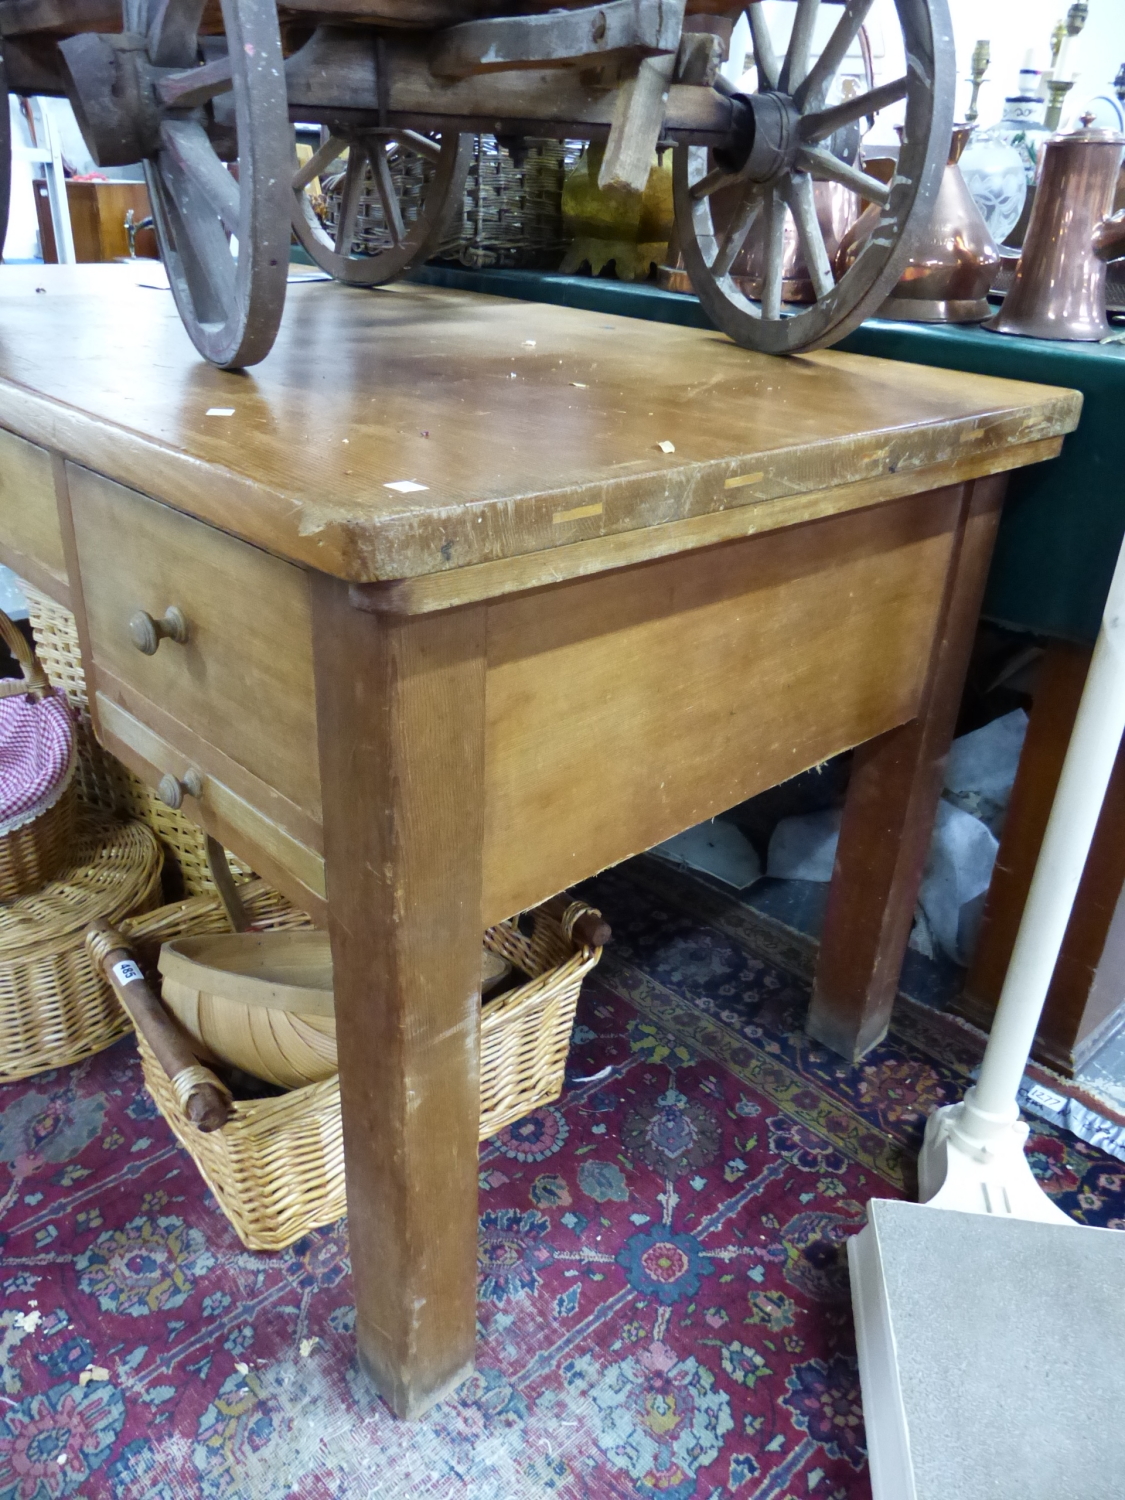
989 1355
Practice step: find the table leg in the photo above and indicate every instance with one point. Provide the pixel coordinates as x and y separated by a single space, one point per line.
400 712
896 781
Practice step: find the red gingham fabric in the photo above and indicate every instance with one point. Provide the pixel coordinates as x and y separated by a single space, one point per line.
36 757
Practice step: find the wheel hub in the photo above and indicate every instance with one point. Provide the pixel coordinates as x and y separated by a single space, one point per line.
765 138
109 85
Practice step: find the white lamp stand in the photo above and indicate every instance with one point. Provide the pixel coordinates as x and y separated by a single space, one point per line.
990 1331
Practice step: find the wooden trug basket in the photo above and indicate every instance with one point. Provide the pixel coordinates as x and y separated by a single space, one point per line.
277 1166
39 849
55 1006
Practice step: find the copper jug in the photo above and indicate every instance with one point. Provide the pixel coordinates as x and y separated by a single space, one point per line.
1059 290
947 277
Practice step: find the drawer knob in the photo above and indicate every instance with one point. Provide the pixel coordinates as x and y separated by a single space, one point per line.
172 792
147 633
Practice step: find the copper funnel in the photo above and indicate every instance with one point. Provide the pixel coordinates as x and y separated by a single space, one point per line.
1059 290
948 275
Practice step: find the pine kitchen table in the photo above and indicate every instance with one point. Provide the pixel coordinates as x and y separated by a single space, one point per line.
481 597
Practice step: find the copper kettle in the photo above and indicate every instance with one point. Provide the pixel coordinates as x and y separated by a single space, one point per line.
1059 290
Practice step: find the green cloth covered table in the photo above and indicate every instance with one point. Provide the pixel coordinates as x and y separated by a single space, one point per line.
1063 521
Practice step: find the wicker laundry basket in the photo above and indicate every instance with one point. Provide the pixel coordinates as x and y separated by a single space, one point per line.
102 781
38 839
277 1166
55 1006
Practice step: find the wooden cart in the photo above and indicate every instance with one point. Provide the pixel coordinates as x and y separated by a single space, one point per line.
208 97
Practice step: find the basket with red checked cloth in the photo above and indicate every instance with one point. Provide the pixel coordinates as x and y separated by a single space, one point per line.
37 765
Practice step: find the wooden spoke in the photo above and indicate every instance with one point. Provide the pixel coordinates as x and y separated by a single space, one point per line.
195 86
354 177
821 123
774 245
828 168
321 159
810 93
422 144
796 63
187 145
799 195
765 59
199 241
388 195
370 254
737 230
173 33
711 182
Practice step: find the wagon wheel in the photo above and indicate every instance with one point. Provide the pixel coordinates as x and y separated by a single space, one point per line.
223 232
417 181
786 132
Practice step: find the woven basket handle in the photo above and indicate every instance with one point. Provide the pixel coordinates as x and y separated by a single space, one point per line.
35 680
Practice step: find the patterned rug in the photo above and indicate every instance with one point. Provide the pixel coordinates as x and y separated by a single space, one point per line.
663 1290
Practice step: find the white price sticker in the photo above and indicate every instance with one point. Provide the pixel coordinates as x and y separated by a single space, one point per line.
1046 1098
127 971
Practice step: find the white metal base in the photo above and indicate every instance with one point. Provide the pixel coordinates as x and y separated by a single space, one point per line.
982 1179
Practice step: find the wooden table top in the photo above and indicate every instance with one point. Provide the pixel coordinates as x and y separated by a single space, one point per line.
508 428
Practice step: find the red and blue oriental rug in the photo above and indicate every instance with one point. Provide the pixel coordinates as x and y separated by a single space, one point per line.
664 1308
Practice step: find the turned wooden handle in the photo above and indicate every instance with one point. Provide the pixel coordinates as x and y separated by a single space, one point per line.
590 928
208 1106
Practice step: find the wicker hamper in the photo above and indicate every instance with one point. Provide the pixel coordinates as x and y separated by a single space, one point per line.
102 780
55 1006
40 844
277 1166
511 215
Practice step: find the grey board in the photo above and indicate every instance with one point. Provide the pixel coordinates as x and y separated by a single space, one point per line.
1010 1350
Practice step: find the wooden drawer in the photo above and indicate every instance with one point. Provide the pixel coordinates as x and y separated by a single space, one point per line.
30 538
250 822
237 696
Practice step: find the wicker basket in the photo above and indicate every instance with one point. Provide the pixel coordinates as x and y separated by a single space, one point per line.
55 1008
277 1166
102 781
39 848
511 215
525 1034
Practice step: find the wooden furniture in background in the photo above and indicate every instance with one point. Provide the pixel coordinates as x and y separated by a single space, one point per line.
1086 1002
97 220
480 598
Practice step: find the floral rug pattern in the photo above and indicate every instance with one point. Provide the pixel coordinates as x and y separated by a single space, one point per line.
663 1294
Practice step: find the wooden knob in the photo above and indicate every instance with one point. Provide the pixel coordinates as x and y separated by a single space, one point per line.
172 792
147 633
